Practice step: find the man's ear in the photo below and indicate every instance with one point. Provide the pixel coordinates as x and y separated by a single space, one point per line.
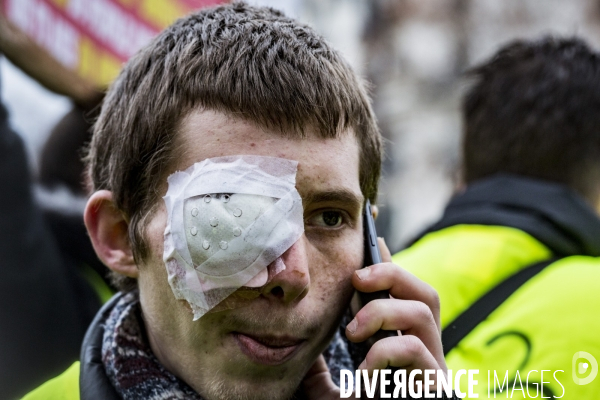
108 231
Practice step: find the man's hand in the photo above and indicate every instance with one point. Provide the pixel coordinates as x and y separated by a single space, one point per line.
40 65
414 312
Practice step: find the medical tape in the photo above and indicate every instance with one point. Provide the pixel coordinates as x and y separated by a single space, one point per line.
228 219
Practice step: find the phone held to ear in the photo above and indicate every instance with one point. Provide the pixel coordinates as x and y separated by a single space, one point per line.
372 256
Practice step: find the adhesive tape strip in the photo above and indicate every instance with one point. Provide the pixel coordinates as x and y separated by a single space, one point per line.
228 219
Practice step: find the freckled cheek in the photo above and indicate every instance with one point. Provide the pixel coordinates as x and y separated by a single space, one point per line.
331 273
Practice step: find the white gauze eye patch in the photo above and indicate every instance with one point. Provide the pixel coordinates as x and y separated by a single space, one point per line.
228 219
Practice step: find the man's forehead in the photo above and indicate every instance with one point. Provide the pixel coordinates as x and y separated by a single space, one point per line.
206 127
324 165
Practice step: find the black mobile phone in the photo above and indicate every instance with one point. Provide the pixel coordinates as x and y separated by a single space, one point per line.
372 253
372 256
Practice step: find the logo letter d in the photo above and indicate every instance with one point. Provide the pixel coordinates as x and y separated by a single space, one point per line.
582 367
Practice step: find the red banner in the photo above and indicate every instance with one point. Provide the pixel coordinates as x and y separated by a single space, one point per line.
95 37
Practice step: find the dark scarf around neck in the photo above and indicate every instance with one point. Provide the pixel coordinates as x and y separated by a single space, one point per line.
135 372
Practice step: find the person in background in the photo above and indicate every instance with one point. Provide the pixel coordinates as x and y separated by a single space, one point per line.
61 193
515 256
47 297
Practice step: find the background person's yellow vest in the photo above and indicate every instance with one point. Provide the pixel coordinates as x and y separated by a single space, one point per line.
63 387
540 327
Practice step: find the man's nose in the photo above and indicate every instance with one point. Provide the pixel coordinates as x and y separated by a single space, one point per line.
293 282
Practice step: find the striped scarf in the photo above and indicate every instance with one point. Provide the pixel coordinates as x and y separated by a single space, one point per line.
136 373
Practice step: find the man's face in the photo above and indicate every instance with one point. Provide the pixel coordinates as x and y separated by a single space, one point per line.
263 348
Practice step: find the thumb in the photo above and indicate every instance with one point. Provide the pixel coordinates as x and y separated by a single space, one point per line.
317 382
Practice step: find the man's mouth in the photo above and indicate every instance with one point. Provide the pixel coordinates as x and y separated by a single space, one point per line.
268 349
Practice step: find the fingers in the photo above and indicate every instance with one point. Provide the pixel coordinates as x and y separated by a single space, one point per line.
414 310
400 284
317 383
406 352
409 316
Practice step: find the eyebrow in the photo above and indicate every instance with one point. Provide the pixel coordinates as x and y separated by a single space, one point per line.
335 195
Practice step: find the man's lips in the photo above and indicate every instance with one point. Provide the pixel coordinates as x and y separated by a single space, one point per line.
267 349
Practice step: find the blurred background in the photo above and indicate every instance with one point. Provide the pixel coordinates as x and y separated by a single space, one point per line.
413 52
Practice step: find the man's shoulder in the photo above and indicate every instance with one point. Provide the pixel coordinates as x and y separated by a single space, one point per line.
540 328
473 240
63 387
463 262
463 251
570 280
588 264
558 304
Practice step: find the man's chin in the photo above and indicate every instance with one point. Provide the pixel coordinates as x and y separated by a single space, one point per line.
282 387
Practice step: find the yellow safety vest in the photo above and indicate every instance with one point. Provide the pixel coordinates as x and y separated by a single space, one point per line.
541 327
63 387
66 385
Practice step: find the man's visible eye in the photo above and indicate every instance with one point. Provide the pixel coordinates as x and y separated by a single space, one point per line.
327 219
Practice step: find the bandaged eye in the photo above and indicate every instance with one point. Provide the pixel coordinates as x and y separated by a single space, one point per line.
219 221
230 218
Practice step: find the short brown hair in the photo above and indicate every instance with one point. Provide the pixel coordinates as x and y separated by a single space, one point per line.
533 111
250 62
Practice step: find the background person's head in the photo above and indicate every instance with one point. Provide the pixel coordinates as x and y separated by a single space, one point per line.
533 111
225 81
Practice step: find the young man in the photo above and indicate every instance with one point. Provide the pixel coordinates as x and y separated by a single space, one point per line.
532 175
266 106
